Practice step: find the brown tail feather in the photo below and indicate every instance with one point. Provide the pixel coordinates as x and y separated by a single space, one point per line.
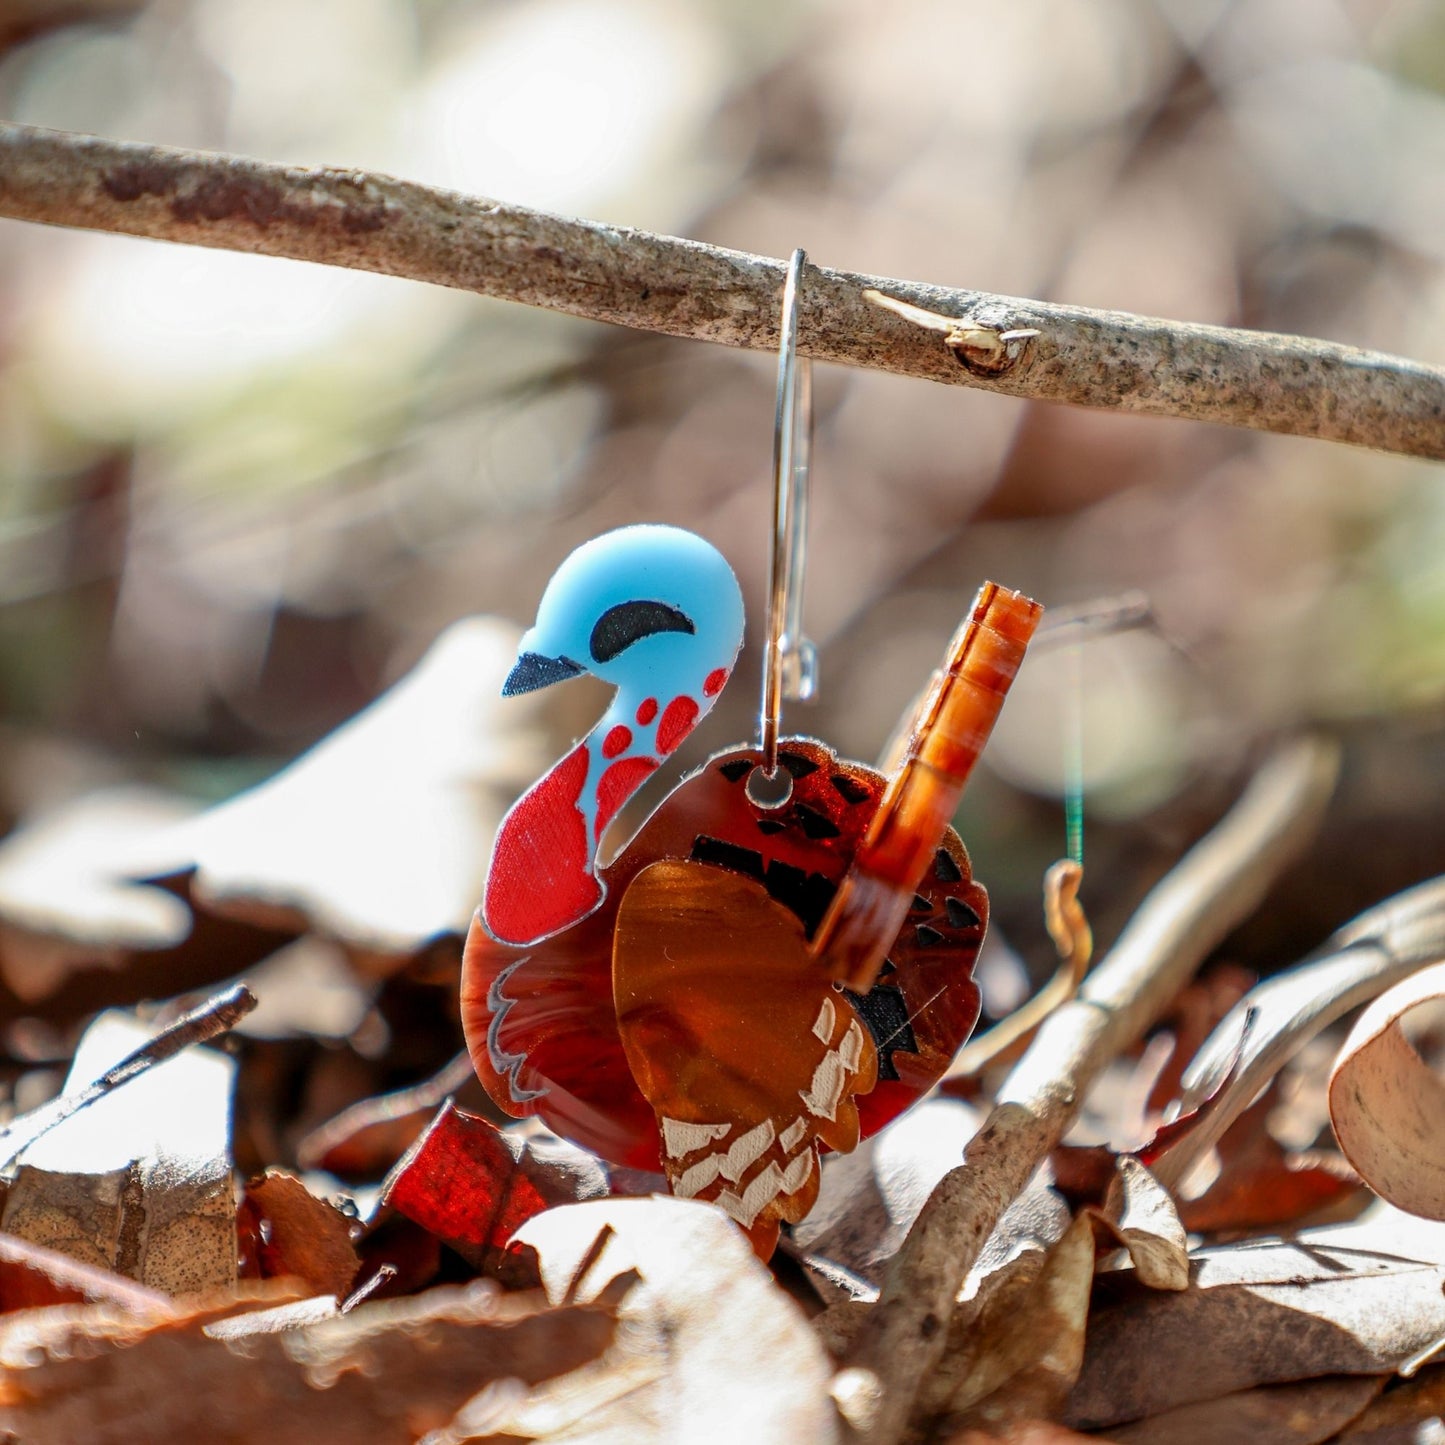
952 725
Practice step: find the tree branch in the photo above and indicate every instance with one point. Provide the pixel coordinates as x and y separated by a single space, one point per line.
1105 359
1219 882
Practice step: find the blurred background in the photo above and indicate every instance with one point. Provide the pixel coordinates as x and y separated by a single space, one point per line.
242 497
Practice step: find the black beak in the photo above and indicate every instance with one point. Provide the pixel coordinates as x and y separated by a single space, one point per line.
532 671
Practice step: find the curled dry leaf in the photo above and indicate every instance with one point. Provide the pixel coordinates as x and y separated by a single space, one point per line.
140 1181
1142 1215
709 1342
474 1185
1073 939
1388 1105
868 1200
379 836
386 1373
1275 1019
1131 1206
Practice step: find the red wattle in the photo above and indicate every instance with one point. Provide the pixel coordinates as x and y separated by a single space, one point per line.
677 721
540 879
618 784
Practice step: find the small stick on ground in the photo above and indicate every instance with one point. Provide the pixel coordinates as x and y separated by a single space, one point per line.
218 1015
1217 884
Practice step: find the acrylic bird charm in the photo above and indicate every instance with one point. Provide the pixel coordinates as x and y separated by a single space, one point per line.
746 984
657 611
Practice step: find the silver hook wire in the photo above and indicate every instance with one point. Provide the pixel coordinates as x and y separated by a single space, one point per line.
790 662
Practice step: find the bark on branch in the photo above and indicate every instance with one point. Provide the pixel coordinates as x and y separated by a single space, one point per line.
684 288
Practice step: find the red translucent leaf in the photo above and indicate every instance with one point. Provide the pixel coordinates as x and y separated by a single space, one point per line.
473 1185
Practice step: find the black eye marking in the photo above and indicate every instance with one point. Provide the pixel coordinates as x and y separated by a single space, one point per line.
736 770
628 622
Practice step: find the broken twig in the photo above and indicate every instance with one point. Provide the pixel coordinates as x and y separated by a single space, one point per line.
216 1016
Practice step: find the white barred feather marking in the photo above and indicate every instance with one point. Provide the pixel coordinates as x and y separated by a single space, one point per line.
680 1138
827 1018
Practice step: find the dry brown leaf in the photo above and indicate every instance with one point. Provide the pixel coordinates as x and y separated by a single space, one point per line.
1305 1413
837 1326
1142 1214
379 836
292 1315
1262 1184
1024 1432
307 989
1019 1358
209 1019
140 1181
708 1340
1410 1412
1276 1018
32 1277
365 1140
384 1373
67 892
298 1235
1348 1299
1388 1105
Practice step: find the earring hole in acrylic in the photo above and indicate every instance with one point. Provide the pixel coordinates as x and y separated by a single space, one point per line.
766 792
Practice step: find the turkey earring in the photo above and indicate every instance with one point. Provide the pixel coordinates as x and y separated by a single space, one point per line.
749 983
